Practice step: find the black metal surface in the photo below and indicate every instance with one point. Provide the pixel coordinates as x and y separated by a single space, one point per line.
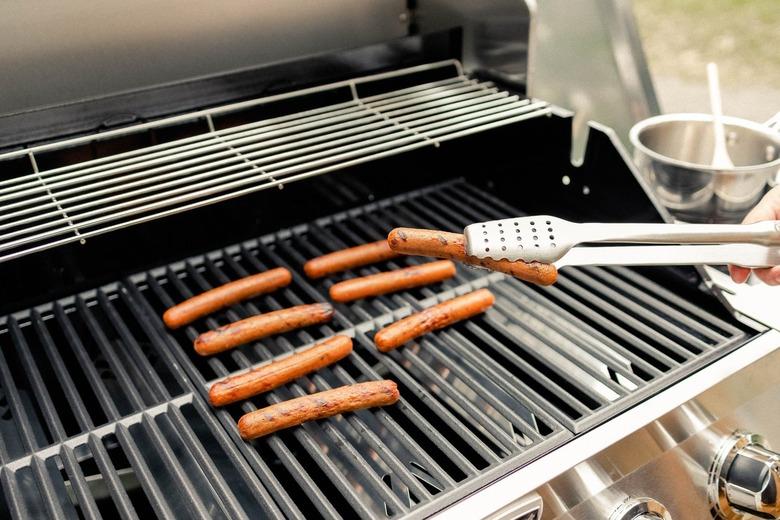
105 409
93 115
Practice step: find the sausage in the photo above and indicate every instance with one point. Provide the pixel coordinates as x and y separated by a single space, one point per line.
392 281
226 295
261 326
440 244
433 318
348 259
273 375
316 406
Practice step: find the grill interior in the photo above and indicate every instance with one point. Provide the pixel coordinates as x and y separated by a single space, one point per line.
103 410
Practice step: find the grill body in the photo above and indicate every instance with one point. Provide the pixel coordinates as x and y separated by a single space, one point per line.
423 123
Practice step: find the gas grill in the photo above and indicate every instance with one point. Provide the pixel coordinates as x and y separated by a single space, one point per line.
104 411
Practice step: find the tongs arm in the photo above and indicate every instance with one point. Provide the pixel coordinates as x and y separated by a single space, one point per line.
763 233
746 255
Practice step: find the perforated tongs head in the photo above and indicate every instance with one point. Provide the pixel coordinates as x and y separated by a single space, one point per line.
552 240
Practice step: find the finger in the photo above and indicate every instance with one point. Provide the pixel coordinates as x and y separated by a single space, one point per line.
739 274
769 275
767 209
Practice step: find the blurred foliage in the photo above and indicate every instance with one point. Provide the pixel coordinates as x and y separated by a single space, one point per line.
742 36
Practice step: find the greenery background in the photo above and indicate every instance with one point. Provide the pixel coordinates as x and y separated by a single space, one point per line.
741 36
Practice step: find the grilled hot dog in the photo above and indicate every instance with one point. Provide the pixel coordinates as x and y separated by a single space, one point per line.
440 244
348 259
392 281
433 318
226 295
261 326
273 375
317 406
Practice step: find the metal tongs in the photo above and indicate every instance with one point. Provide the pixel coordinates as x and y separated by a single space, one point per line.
552 240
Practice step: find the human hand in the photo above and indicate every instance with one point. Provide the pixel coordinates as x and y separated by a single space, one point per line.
767 209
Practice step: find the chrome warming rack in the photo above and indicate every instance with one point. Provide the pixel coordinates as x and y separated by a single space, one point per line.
103 410
43 208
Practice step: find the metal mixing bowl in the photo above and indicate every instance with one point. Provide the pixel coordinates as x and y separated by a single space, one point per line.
674 153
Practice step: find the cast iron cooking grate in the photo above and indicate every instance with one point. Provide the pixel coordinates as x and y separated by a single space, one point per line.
173 460
478 399
74 365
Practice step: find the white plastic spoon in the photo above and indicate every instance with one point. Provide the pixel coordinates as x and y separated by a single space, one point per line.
720 156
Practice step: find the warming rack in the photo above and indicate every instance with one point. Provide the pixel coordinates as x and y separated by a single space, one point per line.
45 208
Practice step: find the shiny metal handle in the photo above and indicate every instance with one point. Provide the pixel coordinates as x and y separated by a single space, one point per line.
746 255
774 122
763 233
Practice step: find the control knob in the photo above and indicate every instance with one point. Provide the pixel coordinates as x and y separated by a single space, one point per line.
640 509
745 478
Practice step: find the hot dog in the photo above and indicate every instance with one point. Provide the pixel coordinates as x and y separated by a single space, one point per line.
433 318
440 244
392 281
317 406
348 259
273 375
226 295
261 326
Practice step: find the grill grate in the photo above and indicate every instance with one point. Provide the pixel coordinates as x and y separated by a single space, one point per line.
478 398
173 461
52 206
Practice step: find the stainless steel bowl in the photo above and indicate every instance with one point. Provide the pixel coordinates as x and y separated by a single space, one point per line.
674 153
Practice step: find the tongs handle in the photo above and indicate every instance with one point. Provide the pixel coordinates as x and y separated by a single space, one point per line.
746 255
765 233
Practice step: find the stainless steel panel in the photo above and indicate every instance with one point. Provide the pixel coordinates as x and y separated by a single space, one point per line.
754 302
693 417
495 33
56 52
586 56
669 460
